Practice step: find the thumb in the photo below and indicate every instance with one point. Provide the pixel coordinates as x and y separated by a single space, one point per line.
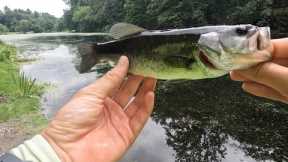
111 81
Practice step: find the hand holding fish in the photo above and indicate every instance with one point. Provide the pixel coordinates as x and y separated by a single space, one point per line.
268 79
100 123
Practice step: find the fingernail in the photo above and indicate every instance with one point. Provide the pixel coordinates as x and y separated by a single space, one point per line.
122 60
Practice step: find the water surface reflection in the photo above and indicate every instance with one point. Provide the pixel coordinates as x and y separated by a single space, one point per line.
213 120
201 121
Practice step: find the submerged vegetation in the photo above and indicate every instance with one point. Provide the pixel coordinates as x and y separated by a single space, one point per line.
19 95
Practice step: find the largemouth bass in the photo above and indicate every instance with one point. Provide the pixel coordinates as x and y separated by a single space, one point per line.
192 53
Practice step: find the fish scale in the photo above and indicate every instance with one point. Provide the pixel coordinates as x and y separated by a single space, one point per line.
192 53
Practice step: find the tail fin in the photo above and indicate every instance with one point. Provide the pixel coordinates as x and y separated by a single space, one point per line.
87 57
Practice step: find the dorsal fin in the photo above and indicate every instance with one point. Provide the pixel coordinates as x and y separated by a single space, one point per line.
123 30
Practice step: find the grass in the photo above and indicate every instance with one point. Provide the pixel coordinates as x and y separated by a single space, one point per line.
24 84
15 107
21 94
7 53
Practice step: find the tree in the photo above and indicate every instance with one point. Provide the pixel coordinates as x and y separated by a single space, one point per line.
19 20
36 28
3 29
161 14
135 12
23 26
83 15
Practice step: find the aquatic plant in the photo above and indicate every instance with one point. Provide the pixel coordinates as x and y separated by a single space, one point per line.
24 84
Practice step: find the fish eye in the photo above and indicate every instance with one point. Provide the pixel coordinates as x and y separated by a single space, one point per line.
241 31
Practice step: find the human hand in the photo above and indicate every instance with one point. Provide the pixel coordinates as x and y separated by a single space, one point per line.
270 79
93 126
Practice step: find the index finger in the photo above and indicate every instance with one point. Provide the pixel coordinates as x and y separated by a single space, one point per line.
280 48
269 74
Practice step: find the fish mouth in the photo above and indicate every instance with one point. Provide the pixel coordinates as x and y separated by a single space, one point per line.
258 43
206 60
263 38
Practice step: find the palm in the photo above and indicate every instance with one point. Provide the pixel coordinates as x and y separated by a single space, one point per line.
94 127
114 133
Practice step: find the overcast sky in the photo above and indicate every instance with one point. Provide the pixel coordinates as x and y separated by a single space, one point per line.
54 7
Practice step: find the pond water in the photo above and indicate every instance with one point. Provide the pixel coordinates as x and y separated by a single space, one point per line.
202 121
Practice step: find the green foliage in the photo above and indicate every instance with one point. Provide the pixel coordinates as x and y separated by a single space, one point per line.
24 84
23 26
100 15
21 93
3 29
18 106
27 21
135 11
7 53
83 16
256 12
280 19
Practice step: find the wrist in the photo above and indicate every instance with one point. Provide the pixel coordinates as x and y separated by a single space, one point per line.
35 149
63 156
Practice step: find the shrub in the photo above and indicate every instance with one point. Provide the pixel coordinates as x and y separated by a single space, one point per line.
7 53
3 29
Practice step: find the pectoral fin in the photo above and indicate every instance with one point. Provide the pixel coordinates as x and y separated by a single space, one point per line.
179 61
124 30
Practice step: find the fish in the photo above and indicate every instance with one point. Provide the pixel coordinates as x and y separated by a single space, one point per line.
180 54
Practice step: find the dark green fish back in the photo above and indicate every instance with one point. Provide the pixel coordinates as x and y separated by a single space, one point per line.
132 45
152 52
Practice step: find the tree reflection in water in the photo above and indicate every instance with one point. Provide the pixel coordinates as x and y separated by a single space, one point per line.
200 116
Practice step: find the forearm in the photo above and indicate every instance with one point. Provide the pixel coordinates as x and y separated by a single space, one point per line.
280 48
35 150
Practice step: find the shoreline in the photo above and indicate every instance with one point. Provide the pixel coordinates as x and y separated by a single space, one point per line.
20 116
